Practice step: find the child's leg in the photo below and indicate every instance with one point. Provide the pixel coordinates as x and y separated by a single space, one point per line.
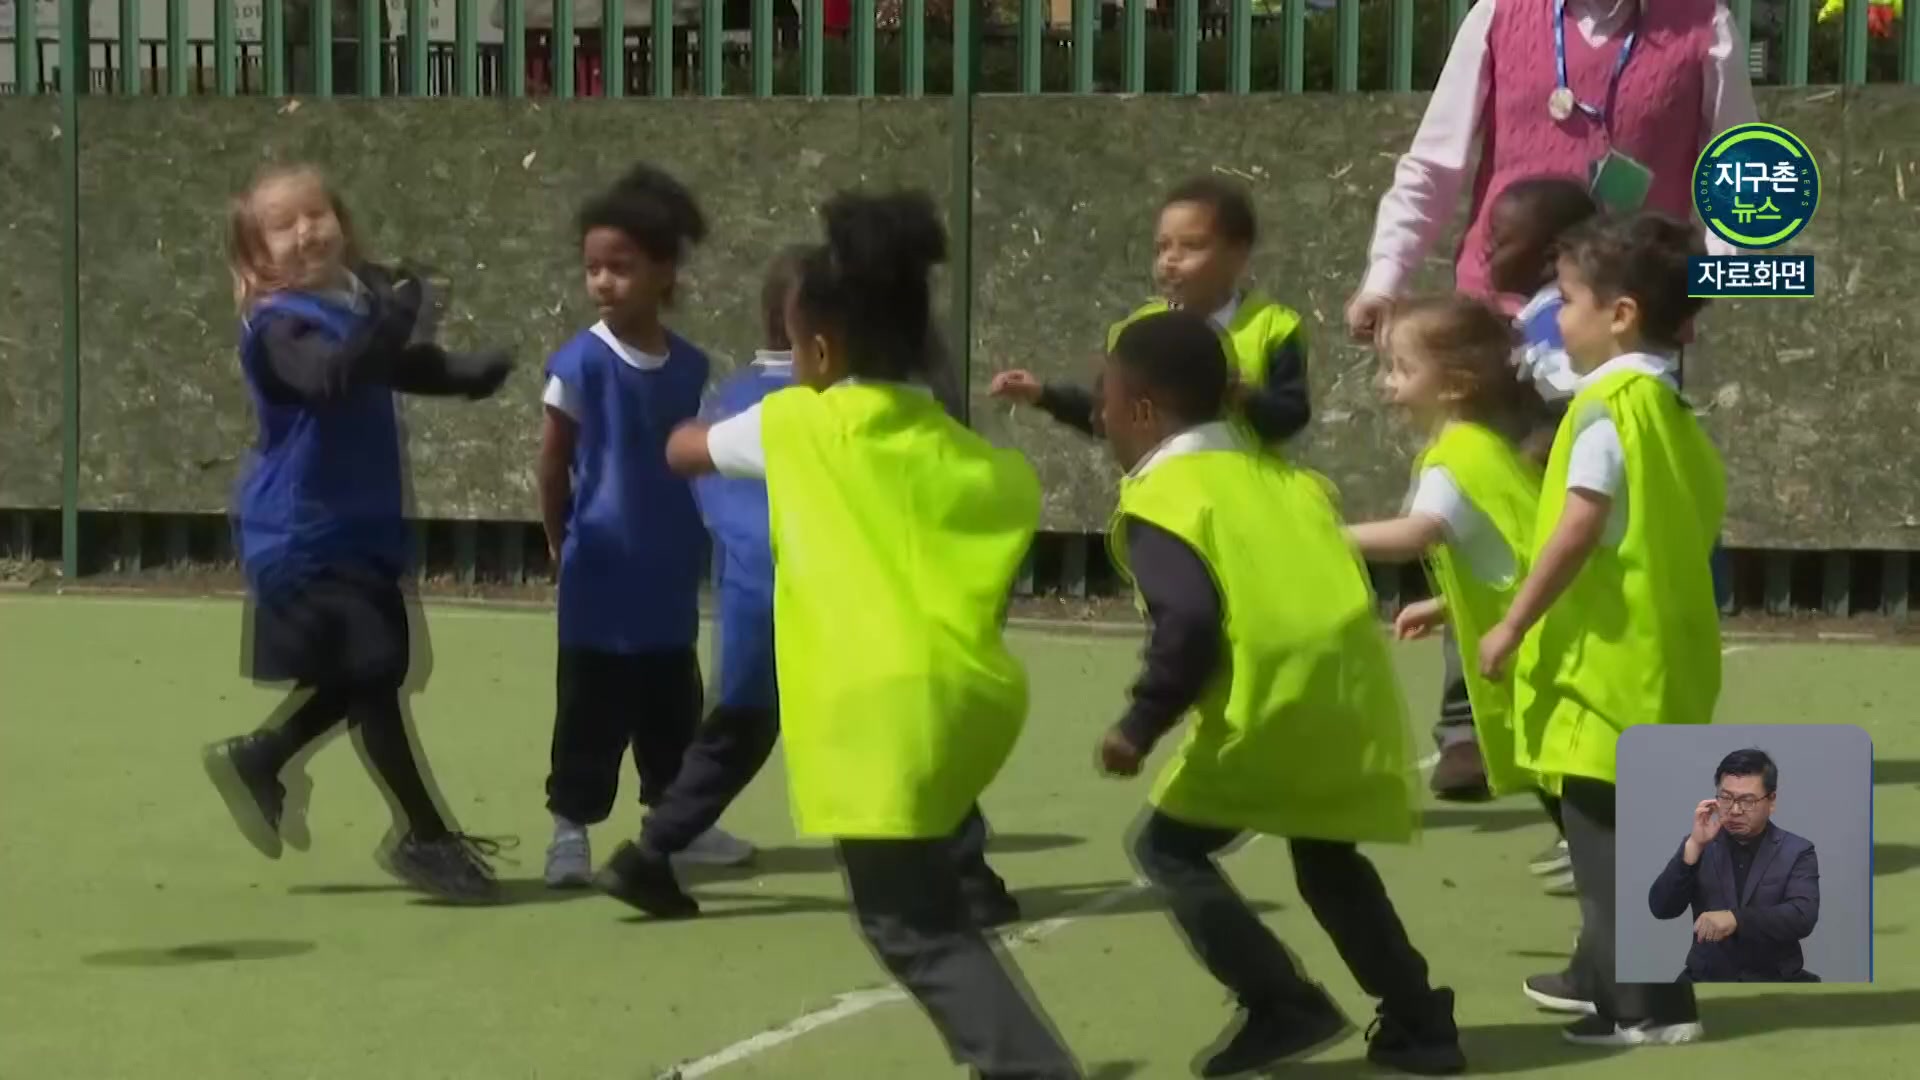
907 899
1344 891
986 894
664 712
1588 809
1224 932
375 713
246 770
1459 774
595 693
728 751
1416 1029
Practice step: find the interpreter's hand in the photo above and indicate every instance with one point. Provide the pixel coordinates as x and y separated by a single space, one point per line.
1417 620
1367 315
1706 826
1018 385
1117 755
1496 649
1715 926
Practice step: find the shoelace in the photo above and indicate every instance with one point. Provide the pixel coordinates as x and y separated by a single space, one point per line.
479 851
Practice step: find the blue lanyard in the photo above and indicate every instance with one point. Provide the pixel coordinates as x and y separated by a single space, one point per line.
1560 59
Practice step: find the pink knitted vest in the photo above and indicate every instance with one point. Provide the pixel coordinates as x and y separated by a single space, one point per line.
1657 115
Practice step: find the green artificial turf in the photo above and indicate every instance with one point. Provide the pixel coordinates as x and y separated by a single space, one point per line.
141 937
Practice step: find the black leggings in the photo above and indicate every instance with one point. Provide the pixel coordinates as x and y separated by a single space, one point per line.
375 712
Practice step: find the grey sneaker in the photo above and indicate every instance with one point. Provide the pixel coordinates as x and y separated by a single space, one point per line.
453 868
569 858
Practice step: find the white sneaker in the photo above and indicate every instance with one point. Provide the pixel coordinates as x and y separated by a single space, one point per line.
569 858
1594 1031
715 847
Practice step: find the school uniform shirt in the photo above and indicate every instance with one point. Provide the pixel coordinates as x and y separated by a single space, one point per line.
1598 463
631 565
735 509
1471 533
1276 408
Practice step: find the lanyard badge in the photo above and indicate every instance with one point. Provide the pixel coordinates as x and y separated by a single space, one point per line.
1562 103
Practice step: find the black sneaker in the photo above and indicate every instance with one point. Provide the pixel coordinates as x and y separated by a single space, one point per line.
992 908
254 796
645 881
1421 1040
1600 1031
453 867
1268 1037
1557 993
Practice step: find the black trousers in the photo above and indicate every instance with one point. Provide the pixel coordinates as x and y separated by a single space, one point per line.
728 751
1340 886
608 702
910 903
1587 809
1456 711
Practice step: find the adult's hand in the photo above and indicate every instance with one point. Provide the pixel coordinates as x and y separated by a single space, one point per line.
1706 826
1367 315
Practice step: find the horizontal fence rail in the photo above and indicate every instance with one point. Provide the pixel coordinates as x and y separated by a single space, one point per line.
197 550
813 47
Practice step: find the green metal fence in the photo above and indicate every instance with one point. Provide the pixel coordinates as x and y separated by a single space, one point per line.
760 48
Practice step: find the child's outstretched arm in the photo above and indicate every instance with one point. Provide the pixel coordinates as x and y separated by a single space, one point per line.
1074 406
1579 530
1183 644
731 447
1401 539
1281 406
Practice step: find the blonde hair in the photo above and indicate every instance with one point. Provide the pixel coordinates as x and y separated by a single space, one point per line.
1472 345
252 268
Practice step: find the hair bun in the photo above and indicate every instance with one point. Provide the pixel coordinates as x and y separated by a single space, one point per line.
880 238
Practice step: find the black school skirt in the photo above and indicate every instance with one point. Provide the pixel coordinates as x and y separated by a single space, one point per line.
342 626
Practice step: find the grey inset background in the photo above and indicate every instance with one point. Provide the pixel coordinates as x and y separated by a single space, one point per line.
1825 795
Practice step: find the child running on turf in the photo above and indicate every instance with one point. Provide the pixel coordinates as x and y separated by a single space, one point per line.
1525 221
1615 624
1450 375
738 736
1526 224
622 527
1297 728
1202 242
326 340
896 533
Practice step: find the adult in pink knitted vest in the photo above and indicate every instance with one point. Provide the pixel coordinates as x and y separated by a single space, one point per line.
1684 81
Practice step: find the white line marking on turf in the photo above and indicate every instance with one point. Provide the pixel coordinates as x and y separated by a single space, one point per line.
1731 649
854 1002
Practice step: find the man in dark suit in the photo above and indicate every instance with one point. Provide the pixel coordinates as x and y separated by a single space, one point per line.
1753 887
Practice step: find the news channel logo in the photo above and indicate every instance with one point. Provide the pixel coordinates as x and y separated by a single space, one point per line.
1756 186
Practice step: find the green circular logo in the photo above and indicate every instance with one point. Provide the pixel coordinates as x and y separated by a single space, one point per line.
1756 185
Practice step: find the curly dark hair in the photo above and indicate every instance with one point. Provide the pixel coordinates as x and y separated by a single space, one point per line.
653 209
1642 258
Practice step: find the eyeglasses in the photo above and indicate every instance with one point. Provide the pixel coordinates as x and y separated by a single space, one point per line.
1741 804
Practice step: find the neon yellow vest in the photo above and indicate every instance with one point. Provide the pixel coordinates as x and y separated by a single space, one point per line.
1505 487
1302 731
1635 639
896 537
1259 326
